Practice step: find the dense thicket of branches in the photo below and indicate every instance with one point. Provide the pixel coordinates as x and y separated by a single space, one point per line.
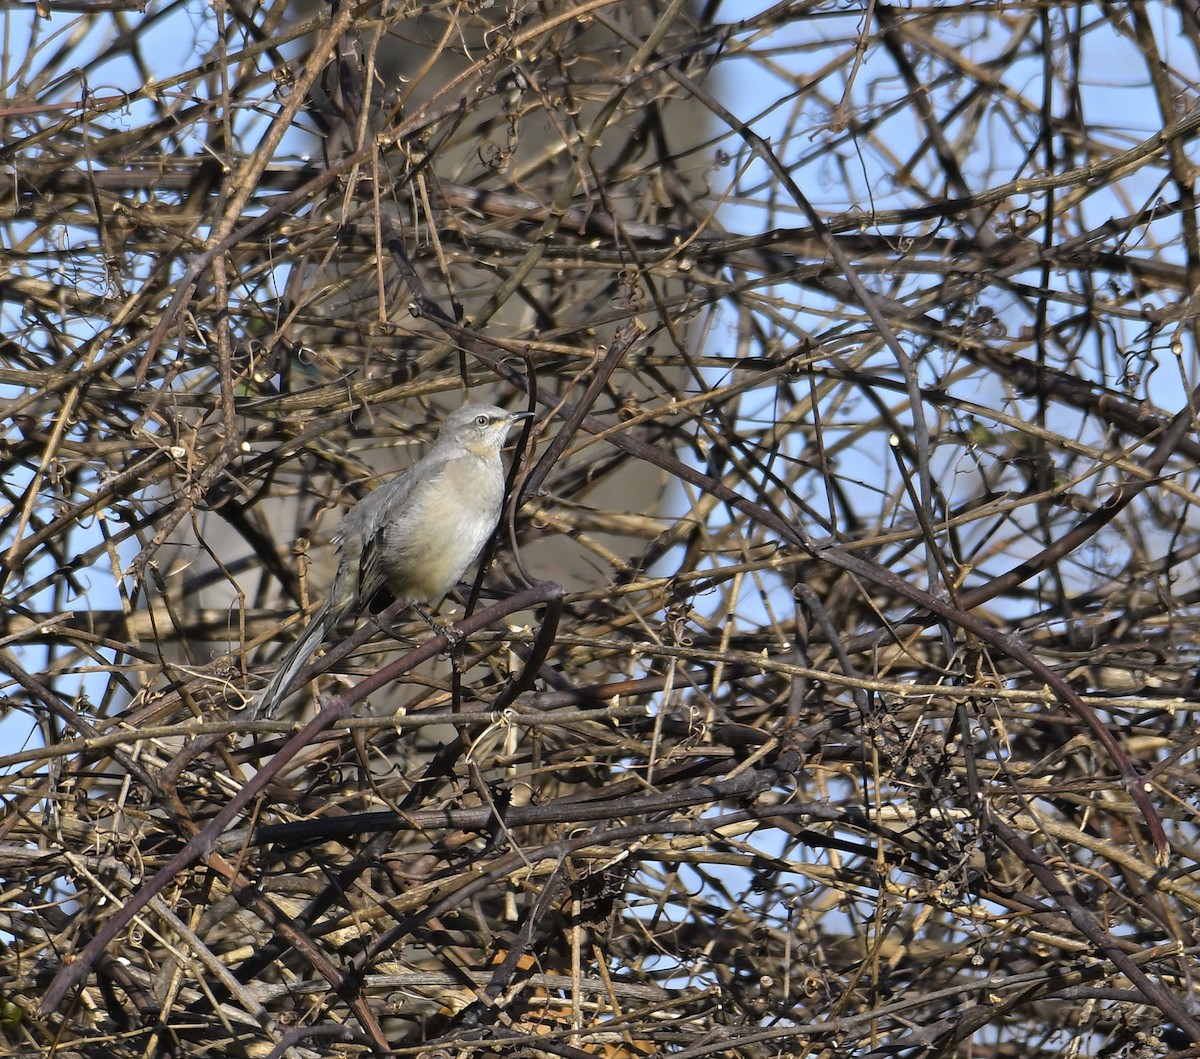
830 688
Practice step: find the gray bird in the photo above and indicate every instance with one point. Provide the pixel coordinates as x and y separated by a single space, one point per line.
416 535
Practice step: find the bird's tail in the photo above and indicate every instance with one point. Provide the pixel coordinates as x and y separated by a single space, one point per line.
267 701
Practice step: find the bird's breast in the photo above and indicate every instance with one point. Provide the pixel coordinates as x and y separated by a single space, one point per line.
443 528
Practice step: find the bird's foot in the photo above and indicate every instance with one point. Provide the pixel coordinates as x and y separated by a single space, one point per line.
454 638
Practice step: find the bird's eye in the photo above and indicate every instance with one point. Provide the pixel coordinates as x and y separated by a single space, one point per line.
481 421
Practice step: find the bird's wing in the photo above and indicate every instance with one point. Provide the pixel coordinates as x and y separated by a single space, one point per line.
386 505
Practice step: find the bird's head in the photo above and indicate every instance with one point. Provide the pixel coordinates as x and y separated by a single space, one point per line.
479 428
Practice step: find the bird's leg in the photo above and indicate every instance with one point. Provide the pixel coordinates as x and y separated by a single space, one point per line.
453 636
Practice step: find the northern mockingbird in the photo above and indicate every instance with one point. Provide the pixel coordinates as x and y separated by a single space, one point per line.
415 535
